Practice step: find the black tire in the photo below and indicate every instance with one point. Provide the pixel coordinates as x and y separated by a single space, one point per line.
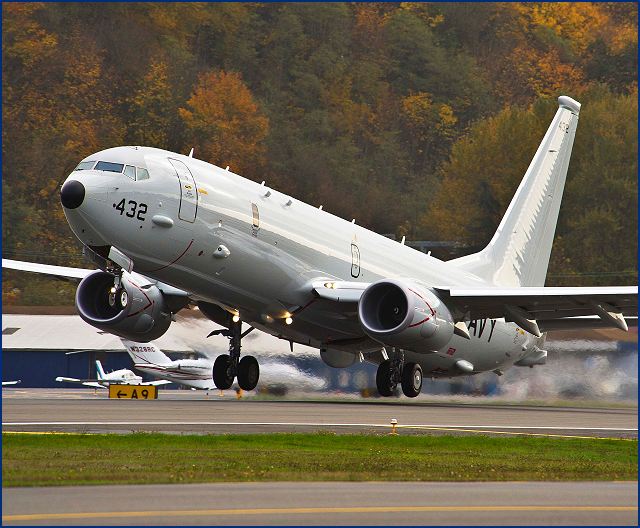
383 379
248 373
221 374
411 380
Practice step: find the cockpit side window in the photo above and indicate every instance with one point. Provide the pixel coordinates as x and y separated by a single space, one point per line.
85 165
143 174
109 167
130 171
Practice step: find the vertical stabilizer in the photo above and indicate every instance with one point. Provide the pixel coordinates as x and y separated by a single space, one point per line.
142 353
100 370
518 254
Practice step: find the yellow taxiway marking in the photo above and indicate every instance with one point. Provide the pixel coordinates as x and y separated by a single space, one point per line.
280 511
43 433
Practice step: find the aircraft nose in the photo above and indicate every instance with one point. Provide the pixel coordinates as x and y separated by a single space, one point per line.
72 194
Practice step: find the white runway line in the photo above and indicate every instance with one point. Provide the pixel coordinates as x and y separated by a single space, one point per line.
317 424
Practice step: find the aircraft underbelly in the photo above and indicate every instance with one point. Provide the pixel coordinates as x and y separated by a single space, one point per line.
486 350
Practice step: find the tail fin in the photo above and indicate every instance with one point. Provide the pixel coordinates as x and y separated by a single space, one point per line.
518 254
100 370
146 353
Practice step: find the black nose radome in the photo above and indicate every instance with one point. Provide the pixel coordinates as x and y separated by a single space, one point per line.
72 194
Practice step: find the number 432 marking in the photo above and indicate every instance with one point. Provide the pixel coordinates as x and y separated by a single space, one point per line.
131 208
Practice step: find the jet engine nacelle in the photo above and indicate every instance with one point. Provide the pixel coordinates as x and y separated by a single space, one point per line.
132 312
404 314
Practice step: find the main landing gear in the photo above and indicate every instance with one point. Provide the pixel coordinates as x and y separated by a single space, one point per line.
393 371
229 366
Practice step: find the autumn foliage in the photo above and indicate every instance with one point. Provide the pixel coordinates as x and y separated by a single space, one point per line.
225 124
415 118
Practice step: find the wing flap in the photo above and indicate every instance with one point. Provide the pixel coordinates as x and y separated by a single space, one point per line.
580 323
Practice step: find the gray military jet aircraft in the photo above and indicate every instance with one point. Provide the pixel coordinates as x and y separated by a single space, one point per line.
168 230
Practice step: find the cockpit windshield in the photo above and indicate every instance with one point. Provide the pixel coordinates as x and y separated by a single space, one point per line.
85 165
143 174
135 173
109 167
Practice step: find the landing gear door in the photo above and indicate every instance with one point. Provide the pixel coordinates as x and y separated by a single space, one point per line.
188 192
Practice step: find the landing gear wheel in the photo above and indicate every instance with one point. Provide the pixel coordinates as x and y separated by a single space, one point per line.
411 380
124 298
248 373
118 299
222 375
386 386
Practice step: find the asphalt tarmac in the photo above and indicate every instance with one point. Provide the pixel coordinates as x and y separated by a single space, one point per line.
83 410
326 503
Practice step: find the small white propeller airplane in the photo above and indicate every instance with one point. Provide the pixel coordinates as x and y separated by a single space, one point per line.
104 379
197 234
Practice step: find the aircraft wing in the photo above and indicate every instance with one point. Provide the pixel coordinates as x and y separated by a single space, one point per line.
68 380
82 382
60 272
77 274
157 382
95 384
532 306
535 309
10 382
580 323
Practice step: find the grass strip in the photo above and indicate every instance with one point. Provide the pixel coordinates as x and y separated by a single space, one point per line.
150 458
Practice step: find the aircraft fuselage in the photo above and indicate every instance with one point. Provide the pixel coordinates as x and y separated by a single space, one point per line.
254 250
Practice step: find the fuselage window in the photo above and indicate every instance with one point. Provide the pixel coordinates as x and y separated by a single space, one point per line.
143 174
85 165
130 171
109 167
256 219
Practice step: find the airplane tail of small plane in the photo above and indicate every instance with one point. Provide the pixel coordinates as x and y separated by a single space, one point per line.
99 370
146 353
518 254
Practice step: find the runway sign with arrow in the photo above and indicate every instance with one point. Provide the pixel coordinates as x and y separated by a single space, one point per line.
133 392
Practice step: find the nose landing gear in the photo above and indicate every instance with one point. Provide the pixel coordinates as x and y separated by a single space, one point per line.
118 296
229 366
393 371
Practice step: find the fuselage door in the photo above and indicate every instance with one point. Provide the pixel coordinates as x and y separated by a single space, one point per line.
188 192
355 261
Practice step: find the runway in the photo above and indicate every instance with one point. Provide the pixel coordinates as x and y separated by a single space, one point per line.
323 503
63 410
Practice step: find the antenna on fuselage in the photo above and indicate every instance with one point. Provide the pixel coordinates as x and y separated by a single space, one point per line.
191 153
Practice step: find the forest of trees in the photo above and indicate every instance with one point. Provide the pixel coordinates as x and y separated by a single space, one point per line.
417 119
